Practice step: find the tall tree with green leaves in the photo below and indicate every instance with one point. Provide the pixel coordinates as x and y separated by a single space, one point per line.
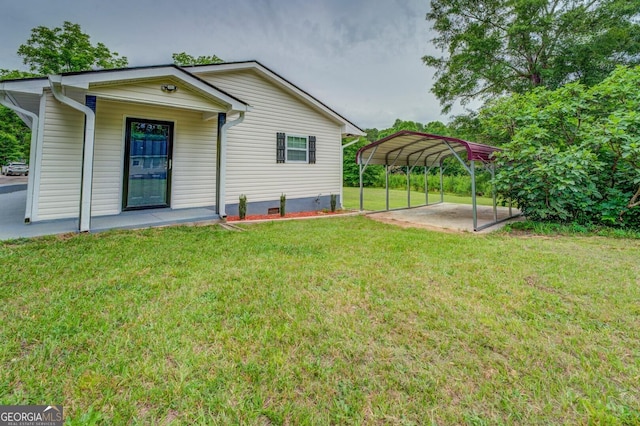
493 47
49 51
183 59
572 154
65 49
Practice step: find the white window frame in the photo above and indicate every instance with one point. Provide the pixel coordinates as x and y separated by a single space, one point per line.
286 148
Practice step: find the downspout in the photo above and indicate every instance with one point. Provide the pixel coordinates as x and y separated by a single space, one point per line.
32 151
55 82
342 170
223 164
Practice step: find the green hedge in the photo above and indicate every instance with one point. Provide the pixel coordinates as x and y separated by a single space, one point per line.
458 185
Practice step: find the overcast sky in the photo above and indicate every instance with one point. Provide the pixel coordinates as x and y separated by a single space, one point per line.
361 57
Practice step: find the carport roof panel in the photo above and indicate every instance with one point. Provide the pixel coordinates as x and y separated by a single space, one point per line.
406 148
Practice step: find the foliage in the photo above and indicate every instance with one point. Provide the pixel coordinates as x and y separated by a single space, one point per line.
65 49
331 321
6 74
573 228
283 205
49 51
183 59
351 170
451 183
242 207
15 137
573 154
375 198
493 47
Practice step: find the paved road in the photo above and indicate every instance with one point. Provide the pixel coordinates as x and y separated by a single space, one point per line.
12 180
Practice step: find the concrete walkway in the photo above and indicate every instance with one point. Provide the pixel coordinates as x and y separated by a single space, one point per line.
12 226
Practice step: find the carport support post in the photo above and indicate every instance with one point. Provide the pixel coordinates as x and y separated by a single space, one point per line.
493 192
473 195
441 184
408 187
426 186
361 186
386 184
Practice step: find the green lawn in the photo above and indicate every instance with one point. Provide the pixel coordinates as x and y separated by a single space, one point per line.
331 321
375 198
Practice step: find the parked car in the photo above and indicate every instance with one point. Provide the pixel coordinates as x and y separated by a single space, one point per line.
15 169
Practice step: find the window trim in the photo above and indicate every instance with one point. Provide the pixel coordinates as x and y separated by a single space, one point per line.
286 149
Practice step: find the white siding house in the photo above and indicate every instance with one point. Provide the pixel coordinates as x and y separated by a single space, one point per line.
165 137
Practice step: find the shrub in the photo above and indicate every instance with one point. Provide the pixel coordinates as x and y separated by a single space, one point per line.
242 207
283 204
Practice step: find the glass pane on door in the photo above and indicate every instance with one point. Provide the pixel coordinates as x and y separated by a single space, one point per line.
148 152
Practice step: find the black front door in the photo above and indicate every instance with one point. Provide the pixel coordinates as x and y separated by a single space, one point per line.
147 164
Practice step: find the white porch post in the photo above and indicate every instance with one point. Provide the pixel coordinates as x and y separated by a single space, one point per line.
222 183
55 83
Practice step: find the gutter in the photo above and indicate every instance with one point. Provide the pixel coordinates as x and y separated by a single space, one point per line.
55 82
223 164
342 170
4 100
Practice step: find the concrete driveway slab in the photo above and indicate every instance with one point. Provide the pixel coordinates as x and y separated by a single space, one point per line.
445 217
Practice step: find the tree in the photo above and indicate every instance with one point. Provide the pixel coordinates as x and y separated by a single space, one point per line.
15 137
573 154
493 47
351 170
183 59
65 49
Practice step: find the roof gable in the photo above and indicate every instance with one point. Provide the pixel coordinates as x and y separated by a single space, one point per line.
86 80
348 128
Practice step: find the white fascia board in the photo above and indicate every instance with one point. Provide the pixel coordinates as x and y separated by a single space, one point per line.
83 81
348 128
35 86
351 130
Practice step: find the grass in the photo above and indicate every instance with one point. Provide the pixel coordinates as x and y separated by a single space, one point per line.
333 321
555 229
375 198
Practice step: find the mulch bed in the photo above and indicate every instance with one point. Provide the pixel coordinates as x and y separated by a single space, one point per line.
286 216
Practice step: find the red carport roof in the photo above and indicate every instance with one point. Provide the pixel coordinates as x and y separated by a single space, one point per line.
406 148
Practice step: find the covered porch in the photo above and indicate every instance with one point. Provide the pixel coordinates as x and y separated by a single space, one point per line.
88 162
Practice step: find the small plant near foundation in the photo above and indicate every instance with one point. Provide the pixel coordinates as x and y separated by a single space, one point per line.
242 207
334 201
283 203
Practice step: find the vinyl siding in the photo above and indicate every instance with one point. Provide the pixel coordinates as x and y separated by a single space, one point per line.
251 157
61 168
194 155
151 93
194 158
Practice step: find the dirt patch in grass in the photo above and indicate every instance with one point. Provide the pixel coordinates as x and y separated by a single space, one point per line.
404 224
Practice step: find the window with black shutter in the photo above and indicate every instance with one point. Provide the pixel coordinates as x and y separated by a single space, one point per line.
312 150
280 148
295 148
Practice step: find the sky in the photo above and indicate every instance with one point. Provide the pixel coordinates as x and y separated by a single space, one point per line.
360 57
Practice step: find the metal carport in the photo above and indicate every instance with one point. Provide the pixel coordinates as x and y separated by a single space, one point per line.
412 149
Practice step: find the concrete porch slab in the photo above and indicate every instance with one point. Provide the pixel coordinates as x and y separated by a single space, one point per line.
12 226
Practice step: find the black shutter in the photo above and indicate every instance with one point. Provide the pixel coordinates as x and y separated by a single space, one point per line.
312 150
280 148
